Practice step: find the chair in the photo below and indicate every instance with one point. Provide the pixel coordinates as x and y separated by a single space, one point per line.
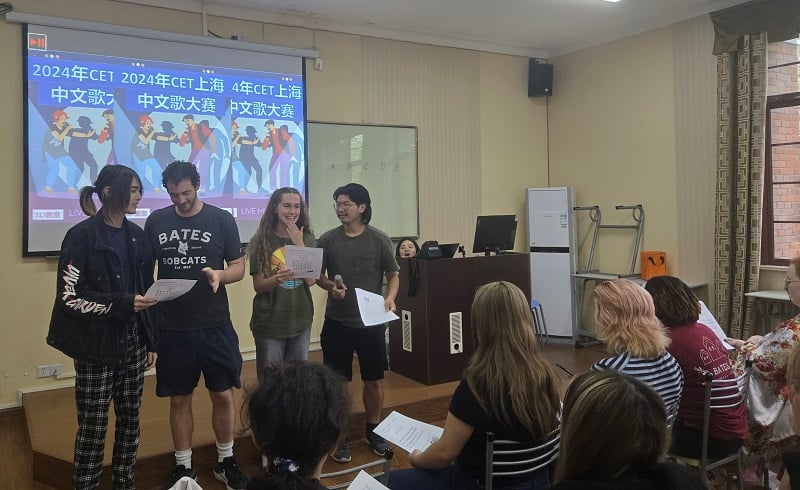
719 395
522 457
382 474
539 325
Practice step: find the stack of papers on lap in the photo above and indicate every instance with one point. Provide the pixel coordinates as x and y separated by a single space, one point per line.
408 433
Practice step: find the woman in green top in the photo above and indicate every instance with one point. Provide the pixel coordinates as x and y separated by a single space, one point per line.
282 307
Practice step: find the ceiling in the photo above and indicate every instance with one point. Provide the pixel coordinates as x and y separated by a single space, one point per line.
534 28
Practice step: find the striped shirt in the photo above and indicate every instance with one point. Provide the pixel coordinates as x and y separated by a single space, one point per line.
662 373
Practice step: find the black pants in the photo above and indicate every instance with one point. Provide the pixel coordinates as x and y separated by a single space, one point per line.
688 442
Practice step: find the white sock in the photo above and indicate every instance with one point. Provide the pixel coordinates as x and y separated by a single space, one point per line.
184 458
224 450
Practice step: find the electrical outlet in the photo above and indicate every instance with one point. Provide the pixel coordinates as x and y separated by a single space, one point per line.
56 369
43 371
318 64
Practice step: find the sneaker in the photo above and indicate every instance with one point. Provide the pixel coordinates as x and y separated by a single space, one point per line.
229 472
342 453
179 472
376 442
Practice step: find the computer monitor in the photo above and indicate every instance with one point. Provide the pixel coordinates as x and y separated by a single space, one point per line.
495 233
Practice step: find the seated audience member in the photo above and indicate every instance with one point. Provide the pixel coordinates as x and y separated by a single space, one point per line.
508 388
791 458
770 431
698 350
297 415
614 436
626 323
406 248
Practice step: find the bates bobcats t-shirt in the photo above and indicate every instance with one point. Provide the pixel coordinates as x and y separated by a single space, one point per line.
182 248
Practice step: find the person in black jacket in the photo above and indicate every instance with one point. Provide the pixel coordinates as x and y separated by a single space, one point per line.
614 436
100 320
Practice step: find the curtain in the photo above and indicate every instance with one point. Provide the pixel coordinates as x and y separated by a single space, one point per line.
741 106
780 19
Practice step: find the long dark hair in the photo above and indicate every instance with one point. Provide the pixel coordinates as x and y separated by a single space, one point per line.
297 415
259 245
118 179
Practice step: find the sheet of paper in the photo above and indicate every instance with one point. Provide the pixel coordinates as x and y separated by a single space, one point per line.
707 319
304 261
408 433
370 305
365 481
167 289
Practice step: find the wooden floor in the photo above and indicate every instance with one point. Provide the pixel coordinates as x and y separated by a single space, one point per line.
36 444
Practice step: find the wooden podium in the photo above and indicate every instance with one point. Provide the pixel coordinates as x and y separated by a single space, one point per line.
425 345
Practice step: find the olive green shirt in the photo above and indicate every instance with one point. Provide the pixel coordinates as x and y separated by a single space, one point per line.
287 310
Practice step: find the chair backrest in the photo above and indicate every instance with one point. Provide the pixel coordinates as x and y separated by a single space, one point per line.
514 458
720 394
383 466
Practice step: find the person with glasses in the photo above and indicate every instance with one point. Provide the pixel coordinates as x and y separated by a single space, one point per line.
356 255
770 430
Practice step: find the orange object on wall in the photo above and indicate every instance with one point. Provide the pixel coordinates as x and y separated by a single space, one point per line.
653 264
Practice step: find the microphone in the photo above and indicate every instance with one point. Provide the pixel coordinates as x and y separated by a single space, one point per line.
338 282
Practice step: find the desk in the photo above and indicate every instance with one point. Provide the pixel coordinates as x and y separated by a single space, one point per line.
763 298
433 342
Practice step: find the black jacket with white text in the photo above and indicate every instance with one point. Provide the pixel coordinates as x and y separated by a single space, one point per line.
92 310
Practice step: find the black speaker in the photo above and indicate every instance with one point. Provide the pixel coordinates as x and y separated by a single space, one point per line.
540 79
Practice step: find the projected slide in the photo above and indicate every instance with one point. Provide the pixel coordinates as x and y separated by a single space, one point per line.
244 129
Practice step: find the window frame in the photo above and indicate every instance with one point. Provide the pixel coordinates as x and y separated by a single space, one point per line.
768 221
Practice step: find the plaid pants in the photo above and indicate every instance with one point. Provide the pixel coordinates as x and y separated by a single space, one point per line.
95 386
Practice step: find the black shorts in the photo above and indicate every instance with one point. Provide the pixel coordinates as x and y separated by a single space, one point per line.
184 354
339 342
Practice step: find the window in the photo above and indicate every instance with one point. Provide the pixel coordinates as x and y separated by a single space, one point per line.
780 237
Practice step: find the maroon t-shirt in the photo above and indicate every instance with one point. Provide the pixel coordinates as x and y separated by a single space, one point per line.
698 351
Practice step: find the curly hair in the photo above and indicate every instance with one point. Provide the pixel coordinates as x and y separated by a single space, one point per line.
299 412
178 171
259 246
675 303
626 321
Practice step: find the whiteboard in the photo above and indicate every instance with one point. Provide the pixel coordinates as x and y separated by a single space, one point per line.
381 158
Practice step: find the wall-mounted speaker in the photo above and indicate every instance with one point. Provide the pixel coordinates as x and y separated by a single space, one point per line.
540 79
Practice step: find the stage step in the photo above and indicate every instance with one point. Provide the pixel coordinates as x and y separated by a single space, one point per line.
52 423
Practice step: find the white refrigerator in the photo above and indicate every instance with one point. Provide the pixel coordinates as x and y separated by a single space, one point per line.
553 256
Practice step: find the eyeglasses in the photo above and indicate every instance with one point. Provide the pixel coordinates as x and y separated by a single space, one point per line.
344 205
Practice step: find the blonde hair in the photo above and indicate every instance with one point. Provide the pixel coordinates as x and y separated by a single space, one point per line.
596 445
507 374
626 320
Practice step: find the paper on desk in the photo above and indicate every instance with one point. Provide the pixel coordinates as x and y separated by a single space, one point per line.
304 261
370 305
408 433
707 319
365 481
167 289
